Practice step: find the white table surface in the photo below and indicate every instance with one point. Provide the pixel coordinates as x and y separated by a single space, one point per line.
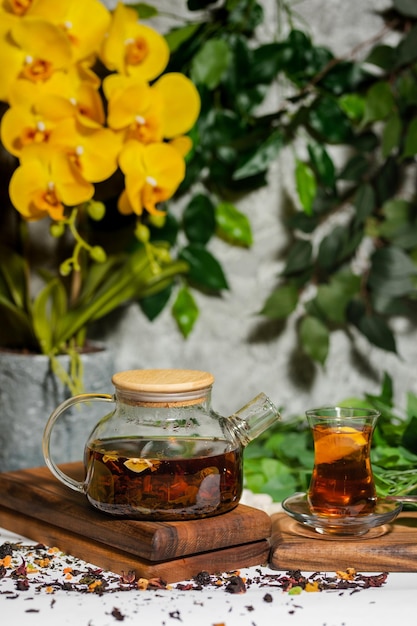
385 606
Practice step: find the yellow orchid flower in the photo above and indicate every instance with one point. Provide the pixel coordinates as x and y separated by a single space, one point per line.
152 175
73 94
86 34
85 104
138 111
181 103
7 20
33 50
72 16
183 144
132 48
93 151
27 93
45 183
29 122
167 109
20 8
21 127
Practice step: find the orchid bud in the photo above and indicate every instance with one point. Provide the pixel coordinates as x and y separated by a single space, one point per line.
96 210
142 232
57 229
65 268
98 254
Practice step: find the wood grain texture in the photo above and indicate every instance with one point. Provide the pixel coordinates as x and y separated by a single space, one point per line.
38 495
391 548
118 561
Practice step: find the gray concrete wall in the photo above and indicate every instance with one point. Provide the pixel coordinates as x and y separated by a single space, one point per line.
246 354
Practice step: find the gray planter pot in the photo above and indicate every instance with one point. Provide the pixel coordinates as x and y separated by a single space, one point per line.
29 392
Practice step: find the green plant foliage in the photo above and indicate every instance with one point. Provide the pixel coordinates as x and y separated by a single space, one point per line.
233 225
199 219
314 338
281 302
361 266
203 269
280 461
185 311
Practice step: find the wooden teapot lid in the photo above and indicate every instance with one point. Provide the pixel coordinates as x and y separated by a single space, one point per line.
163 385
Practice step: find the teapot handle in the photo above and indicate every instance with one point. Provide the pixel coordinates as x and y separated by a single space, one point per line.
46 440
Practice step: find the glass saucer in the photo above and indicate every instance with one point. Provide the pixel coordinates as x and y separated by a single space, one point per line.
297 507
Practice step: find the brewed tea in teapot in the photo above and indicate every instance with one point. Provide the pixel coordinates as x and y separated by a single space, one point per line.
162 453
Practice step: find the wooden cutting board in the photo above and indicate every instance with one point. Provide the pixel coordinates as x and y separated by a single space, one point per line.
33 503
390 548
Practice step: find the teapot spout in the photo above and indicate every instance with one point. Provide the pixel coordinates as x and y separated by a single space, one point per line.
253 419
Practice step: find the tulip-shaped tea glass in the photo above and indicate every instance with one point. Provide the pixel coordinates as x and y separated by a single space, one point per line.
341 499
342 483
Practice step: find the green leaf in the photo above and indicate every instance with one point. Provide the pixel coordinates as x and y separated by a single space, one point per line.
144 10
383 56
233 225
343 77
411 404
331 247
377 332
134 279
244 16
387 180
410 147
306 186
355 169
299 257
364 202
391 272
185 311
353 105
259 161
281 303
391 134
406 7
267 61
314 338
153 305
322 163
329 121
407 89
399 225
210 63
379 102
204 269
16 330
176 37
199 219
409 438
13 269
49 307
333 298
407 48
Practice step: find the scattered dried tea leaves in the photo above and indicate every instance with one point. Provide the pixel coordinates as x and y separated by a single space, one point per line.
293 582
48 570
117 614
235 584
348 574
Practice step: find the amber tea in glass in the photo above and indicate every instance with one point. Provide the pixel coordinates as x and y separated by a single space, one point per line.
342 483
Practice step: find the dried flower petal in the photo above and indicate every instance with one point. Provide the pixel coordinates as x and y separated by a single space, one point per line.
128 577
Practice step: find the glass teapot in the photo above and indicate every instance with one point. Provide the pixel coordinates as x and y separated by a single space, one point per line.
163 453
